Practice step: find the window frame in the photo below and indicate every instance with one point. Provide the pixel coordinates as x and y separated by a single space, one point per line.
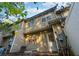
44 19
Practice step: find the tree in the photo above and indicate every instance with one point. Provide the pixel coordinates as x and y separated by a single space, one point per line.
16 9
13 9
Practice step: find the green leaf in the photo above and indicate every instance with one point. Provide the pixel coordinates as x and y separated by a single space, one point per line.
23 14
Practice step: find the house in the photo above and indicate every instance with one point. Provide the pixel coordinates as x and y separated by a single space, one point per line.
40 32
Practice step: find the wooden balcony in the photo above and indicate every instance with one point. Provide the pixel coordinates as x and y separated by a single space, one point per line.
36 28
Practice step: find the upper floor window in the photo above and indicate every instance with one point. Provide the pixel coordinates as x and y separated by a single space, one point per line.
44 19
48 17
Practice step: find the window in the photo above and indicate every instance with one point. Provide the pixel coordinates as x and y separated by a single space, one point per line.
31 23
48 17
44 19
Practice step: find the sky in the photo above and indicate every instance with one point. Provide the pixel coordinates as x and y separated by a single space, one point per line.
42 6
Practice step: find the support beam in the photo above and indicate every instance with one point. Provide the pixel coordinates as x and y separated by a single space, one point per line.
55 37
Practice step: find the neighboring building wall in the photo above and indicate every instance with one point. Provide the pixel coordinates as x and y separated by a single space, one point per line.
72 28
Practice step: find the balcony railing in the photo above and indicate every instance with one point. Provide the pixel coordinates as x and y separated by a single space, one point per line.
36 27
